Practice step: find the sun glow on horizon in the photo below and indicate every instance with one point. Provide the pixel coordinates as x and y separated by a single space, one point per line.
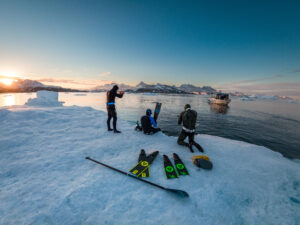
9 100
7 77
7 81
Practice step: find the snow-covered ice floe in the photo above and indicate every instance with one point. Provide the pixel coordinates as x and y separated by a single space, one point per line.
45 178
247 99
45 99
149 93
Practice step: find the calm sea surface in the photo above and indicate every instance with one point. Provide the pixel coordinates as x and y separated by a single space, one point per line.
274 124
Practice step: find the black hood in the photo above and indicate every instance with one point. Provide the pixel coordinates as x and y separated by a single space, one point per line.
115 88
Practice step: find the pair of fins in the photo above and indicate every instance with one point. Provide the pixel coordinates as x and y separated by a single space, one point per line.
174 172
142 168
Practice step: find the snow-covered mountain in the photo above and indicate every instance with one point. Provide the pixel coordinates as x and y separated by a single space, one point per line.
162 88
157 88
107 87
33 85
25 84
191 88
29 86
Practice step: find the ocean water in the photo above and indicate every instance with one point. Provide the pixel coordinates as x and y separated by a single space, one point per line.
273 124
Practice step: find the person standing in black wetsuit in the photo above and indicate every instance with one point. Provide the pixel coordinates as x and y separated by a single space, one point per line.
111 108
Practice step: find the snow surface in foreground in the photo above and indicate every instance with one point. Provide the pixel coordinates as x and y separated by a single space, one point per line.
45 178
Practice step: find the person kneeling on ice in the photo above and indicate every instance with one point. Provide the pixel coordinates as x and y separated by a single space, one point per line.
111 108
149 125
188 117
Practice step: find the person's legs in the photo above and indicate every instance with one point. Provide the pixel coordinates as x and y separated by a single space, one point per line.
155 130
191 138
114 116
181 138
109 116
192 142
181 141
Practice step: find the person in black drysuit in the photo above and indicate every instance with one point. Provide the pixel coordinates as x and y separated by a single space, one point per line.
111 108
188 118
149 125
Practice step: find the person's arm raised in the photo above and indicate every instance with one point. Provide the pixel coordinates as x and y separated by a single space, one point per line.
120 95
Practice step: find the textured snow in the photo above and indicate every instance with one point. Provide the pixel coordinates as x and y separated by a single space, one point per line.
45 99
45 178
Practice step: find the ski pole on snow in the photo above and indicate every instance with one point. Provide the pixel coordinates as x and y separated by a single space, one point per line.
174 191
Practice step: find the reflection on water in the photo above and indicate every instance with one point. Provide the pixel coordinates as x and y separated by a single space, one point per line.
9 100
15 98
219 108
274 124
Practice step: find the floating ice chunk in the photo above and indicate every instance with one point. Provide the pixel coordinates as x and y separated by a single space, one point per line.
269 97
247 99
147 93
293 101
45 99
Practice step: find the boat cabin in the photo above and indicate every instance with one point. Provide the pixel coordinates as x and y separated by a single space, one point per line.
221 96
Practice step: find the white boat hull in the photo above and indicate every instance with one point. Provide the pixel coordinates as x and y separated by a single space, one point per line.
219 101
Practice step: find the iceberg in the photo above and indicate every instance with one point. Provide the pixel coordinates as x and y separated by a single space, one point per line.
45 99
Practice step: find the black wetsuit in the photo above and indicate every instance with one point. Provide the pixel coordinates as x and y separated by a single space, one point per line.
188 118
147 126
111 108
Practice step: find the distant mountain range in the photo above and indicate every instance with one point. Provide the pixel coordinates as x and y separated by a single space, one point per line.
27 85
33 86
30 86
107 87
158 88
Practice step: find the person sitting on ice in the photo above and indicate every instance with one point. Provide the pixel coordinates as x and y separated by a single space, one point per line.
149 125
188 118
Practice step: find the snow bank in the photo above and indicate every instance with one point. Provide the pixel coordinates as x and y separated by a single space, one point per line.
45 99
45 179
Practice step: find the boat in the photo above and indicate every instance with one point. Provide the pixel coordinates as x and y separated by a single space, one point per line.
219 98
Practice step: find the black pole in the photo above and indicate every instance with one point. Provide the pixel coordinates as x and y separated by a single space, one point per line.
175 191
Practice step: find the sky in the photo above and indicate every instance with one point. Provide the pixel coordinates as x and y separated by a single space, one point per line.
230 45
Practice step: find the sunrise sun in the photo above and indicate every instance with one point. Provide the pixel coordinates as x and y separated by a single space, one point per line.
6 81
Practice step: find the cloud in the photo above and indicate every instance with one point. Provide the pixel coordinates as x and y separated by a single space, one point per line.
244 82
9 77
52 80
267 84
74 83
105 74
283 88
295 71
66 81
